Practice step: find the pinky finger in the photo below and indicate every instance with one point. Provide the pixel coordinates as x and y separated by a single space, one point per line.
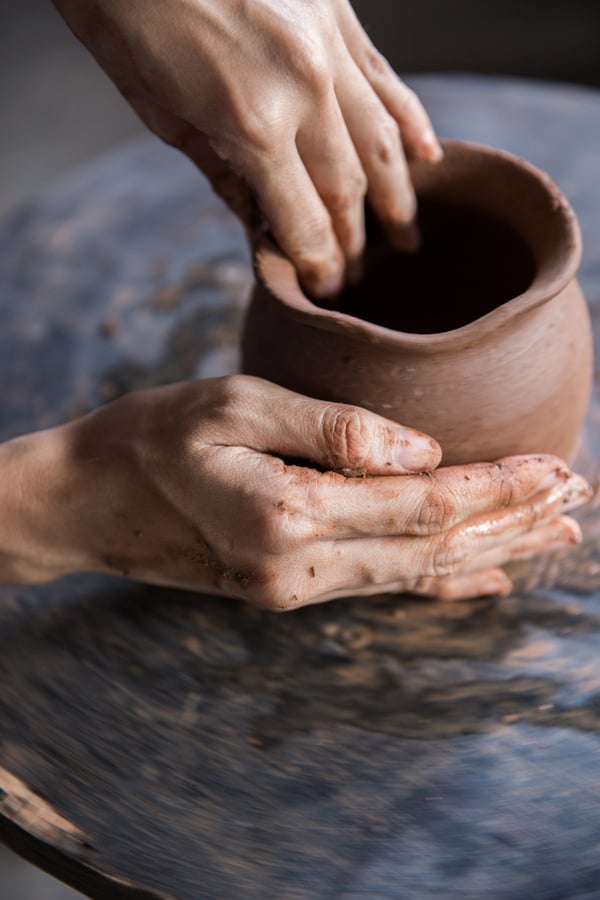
403 104
485 579
467 586
400 101
562 533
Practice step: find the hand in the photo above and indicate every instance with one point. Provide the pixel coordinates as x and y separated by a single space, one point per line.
281 103
188 485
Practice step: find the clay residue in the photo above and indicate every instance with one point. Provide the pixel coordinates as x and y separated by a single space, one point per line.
30 812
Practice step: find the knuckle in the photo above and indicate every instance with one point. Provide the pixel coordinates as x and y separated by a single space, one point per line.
447 555
357 182
436 587
375 65
272 530
262 132
311 66
342 203
315 265
367 575
318 78
386 142
271 533
257 127
348 436
436 512
275 596
344 199
423 586
231 394
281 525
403 211
409 102
234 403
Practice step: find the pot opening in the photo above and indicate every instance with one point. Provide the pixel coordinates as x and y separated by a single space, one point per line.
470 263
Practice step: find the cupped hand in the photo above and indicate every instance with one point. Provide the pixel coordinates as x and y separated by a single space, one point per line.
284 104
194 485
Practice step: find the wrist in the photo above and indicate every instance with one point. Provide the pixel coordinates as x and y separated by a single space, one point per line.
36 478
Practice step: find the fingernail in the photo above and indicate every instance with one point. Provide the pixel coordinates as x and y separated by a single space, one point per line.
419 453
405 238
558 476
567 534
430 148
571 493
577 492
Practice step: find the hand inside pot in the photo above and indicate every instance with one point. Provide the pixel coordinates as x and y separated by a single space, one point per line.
285 105
188 485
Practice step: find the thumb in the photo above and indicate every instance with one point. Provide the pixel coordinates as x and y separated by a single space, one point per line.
337 436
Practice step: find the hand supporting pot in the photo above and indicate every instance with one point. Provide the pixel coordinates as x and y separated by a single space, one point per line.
192 486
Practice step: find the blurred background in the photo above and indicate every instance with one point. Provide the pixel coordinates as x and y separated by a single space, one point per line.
58 110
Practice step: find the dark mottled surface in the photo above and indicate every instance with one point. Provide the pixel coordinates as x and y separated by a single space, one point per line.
383 749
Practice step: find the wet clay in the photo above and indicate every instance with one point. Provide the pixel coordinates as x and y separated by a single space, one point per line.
469 264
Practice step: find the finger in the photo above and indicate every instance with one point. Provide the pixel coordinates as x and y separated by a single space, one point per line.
558 535
487 583
561 533
429 504
359 563
467 586
296 214
336 436
333 164
377 140
400 101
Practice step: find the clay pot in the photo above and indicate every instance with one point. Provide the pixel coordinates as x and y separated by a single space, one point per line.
482 339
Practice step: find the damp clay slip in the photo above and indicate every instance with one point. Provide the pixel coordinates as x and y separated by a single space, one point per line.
481 339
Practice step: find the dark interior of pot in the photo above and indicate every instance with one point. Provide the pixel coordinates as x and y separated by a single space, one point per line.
470 262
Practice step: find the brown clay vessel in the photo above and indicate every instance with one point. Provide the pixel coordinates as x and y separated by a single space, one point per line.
482 339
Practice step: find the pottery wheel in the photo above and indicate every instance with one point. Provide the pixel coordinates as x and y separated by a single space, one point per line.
161 744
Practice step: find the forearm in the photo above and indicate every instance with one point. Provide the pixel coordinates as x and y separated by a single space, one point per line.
34 486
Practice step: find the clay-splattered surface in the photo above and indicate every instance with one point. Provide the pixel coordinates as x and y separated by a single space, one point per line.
154 743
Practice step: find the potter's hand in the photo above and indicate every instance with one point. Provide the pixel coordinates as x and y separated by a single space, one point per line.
283 103
186 485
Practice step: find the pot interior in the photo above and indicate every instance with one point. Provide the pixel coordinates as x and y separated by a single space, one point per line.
470 263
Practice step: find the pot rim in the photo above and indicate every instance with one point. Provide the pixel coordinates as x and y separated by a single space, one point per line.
274 271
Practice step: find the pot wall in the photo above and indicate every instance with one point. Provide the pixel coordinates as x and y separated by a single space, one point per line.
515 380
522 388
